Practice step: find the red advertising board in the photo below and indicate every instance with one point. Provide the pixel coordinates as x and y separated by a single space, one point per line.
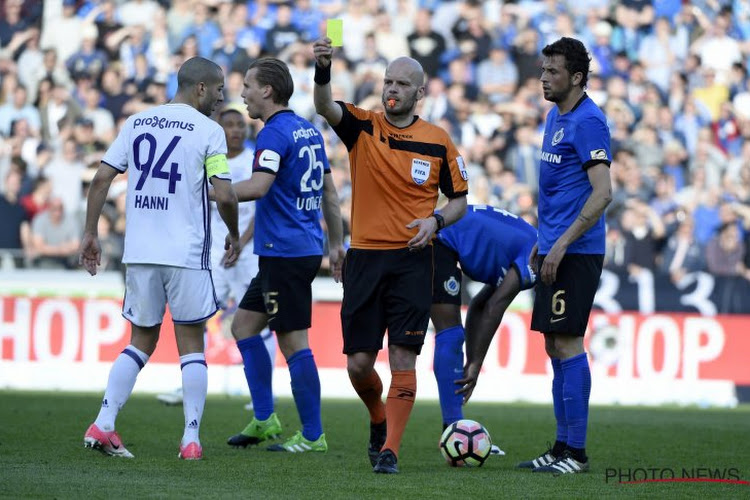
665 345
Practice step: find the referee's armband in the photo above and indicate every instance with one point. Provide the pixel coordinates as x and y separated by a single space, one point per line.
216 165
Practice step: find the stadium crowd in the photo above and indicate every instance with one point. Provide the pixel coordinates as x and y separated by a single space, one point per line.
671 76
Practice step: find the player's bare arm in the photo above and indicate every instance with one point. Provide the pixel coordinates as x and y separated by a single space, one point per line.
255 187
325 106
592 210
226 202
245 238
486 312
332 215
90 252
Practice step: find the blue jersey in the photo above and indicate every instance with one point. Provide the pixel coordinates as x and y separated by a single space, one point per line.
488 241
573 142
287 218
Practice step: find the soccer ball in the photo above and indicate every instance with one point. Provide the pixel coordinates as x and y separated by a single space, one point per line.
465 443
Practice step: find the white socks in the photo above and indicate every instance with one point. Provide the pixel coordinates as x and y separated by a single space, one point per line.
194 387
120 384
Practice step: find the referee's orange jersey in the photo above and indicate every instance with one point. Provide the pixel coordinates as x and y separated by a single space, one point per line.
396 173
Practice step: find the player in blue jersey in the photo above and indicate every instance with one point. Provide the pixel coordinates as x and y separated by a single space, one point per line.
292 182
493 247
574 191
171 153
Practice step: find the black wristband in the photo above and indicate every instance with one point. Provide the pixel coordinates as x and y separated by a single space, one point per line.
322 75
440 221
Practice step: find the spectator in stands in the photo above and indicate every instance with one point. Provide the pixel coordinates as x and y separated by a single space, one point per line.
307 18
227 53
64 171
204 29
88 59
425 44
54 238
138 12
497 76
30 64
717 49
725 256
99 117
643 231
660 53
38 199
14 231
388 42
283 33
19 107
525 53
58 113
682 253
358 23
113 93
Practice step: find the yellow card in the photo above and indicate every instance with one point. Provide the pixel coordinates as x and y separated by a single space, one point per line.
335 31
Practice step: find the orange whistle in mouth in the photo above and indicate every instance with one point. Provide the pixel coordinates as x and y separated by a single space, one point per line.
391 103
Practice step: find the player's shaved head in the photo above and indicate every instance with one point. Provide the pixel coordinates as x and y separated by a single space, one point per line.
408 67
196 70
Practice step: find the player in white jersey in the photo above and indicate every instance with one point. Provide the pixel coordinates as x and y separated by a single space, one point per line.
231 281
171 153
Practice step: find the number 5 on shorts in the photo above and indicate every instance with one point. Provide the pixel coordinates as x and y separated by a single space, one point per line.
272 305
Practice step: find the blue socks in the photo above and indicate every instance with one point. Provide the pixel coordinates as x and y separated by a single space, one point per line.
448 366
576 389
259 373
557 401
306 391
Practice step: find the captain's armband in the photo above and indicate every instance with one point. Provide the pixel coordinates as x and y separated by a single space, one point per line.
216 165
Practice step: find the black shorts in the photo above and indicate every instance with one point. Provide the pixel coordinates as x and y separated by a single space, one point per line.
283 290
446 281
565 306
386 289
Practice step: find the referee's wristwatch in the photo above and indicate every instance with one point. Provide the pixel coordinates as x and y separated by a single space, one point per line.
440 221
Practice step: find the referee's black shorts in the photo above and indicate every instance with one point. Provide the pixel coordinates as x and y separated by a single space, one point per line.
386 289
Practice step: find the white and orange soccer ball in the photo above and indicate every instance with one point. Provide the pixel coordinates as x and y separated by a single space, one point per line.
465 443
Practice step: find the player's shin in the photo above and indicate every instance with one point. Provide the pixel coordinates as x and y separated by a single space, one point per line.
448 365
259 374
306 391
120 384
558 404
576 391
194 387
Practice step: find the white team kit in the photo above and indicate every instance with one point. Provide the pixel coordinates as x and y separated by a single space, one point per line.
233 281
169 152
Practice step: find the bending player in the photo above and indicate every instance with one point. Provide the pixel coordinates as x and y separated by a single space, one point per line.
493 247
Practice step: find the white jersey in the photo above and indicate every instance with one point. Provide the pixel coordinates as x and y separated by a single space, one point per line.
171 151
241 168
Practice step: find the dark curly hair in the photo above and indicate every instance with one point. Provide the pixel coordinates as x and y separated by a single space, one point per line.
576 56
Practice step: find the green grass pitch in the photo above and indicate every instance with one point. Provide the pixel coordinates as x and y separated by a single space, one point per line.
42 454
